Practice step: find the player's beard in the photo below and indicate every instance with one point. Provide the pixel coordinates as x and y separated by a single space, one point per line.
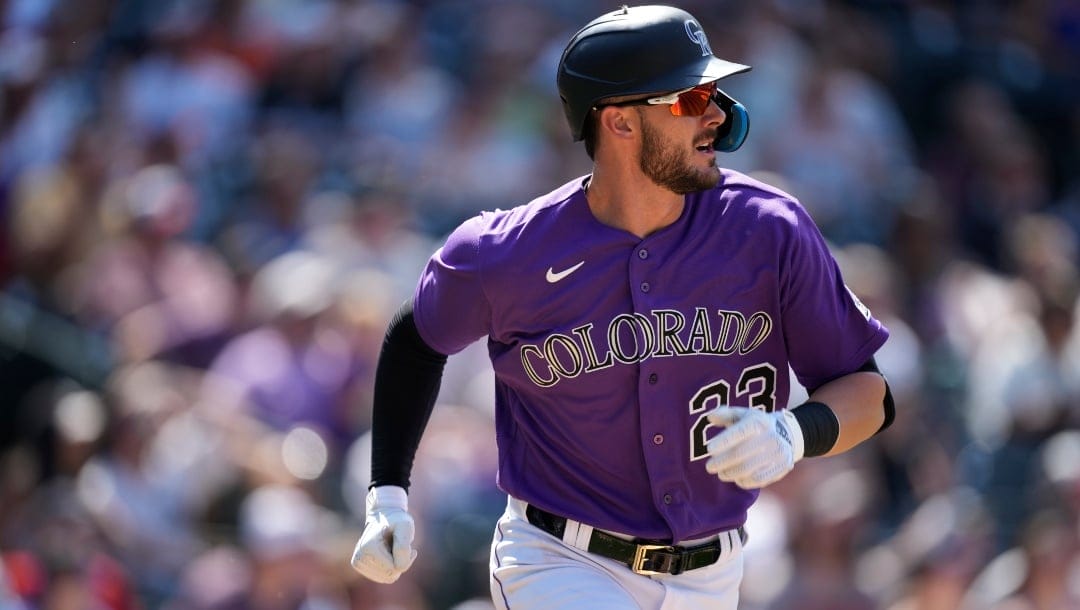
670 166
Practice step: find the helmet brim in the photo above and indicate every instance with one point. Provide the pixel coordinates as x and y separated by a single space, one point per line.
707 70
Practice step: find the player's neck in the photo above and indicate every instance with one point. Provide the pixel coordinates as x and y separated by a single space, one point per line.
632 202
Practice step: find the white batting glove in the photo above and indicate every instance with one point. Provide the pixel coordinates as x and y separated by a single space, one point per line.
755 448
384 550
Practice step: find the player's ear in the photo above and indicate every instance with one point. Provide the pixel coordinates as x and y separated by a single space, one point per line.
617 121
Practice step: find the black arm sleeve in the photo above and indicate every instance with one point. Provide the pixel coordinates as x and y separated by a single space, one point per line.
407 383
888 404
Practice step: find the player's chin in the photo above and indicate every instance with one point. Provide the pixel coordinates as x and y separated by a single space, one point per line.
709 175
696 182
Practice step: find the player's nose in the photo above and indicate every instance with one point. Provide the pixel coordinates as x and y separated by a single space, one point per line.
714 115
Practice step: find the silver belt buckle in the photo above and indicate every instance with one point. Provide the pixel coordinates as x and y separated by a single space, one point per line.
639 558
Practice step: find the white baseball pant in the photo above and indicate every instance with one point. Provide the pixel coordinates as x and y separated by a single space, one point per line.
531 569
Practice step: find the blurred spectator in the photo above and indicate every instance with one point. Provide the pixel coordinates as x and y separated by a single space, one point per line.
48 228
293 366
989 166
53 553
371 232
824 544
143 510
154 292
185 87
269 223
283 529
844 150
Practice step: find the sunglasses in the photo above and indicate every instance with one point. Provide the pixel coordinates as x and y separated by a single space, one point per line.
693 101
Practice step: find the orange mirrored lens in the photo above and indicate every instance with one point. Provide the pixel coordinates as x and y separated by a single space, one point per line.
695 101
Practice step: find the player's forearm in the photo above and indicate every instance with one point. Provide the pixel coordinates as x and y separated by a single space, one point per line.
856 399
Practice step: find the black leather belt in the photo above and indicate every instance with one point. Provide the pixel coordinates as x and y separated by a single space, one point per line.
641 556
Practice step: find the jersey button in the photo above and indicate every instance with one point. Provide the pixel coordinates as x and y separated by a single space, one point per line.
667 498
645 287
658 439
653 378
643 254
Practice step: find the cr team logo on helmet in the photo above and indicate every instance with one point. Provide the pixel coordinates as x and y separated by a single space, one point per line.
643 50
694 31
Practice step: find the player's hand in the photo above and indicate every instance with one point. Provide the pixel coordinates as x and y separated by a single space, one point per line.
384 550
755 448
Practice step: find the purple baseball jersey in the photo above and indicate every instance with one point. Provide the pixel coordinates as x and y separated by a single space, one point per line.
609 349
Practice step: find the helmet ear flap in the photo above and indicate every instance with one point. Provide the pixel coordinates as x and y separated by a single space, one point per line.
736 126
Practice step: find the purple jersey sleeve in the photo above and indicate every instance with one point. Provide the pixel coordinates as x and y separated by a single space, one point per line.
830 333
449 305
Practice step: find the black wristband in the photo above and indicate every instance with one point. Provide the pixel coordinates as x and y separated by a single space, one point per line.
820 428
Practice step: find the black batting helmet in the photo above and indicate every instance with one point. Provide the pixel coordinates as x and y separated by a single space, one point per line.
642 50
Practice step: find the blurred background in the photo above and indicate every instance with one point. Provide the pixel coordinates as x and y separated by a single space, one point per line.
209 210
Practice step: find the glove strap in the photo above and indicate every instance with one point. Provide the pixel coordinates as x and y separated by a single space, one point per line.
819 425
793 434
387 496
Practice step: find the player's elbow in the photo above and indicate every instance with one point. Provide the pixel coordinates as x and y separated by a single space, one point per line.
872 392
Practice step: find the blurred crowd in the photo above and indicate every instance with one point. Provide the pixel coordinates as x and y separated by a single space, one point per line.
209 210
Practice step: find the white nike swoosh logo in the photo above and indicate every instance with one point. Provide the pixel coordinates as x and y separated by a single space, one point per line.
553 277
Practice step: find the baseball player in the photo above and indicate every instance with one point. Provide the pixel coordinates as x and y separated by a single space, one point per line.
641 321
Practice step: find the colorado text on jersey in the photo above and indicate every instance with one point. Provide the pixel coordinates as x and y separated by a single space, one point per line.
635 337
